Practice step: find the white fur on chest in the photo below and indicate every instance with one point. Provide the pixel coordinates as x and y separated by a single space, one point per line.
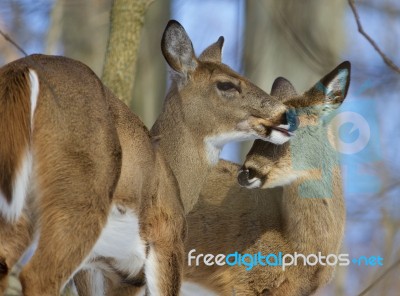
120 240
214 144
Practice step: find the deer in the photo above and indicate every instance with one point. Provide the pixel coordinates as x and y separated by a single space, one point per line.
80 175
103 198
284 198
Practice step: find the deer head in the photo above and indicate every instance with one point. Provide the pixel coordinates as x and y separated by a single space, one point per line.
268 165
216 104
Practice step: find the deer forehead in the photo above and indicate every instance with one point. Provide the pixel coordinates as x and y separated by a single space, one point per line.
216 71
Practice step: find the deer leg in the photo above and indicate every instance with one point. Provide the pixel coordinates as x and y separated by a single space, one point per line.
14 241
163 271
83 283
93 283
74 202
67 236
127 291
164 262
63 246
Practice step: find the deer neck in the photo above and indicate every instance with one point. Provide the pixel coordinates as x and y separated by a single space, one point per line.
314 224
185 152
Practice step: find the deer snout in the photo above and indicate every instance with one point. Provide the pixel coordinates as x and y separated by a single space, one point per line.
247 178
283 131
277 130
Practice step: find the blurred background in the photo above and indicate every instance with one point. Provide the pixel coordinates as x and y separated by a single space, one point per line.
264 39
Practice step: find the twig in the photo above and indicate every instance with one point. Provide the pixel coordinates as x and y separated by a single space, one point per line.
393 266
13 42
385 58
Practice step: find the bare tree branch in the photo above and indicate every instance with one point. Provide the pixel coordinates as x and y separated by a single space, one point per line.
385 58
8 38
393 266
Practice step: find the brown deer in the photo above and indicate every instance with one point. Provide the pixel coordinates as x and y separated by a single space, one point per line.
306 215
80 175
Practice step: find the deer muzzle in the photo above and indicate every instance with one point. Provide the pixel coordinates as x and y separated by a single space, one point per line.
246 180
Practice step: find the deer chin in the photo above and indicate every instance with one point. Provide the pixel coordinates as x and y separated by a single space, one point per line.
254 184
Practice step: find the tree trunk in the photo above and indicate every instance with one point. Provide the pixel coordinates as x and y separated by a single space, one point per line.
127 19
85 27
151 79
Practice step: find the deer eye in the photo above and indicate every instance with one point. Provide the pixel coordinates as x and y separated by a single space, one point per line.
227 86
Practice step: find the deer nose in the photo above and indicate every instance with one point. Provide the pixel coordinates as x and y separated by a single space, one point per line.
243 177
292 120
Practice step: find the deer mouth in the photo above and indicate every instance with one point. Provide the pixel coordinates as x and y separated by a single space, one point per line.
276 132
284 129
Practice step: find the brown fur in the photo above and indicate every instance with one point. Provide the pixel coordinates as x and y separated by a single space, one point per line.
231 218
195 109
90 152
14 239
14 89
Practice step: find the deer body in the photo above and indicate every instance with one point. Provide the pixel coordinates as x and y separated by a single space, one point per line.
306 215
78 172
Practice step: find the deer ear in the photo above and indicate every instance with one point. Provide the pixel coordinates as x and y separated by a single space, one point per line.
332 88
213 53
283 89
177 48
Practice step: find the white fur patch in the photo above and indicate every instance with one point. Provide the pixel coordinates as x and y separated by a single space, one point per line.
254 183
284 181
121 241
151 272
97 283
11 212
214 144
277 137
34 81
338 83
